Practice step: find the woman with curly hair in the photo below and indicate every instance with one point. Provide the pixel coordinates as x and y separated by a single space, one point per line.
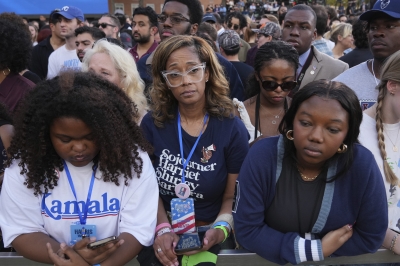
78 168
115 64
199 146
379 132
15 52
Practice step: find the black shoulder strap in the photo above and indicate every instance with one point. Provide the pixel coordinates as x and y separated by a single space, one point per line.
303 72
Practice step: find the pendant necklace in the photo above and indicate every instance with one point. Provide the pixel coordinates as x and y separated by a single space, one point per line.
276 117
395 149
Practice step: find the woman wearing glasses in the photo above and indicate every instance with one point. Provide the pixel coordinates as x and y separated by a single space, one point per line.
199 146
312 191
274 77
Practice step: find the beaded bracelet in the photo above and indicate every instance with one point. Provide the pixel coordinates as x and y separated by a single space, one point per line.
223 228
394 239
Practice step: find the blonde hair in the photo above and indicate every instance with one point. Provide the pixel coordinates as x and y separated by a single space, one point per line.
164 104
390 71
123 61
342 29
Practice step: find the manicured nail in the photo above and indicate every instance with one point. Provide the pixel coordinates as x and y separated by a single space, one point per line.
350 226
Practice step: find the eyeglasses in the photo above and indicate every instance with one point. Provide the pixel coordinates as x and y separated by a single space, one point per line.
174 19
235 26
104 25
272 85
175 78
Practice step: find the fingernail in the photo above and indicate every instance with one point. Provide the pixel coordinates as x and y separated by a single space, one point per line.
176 264
350 226
63 245
92 238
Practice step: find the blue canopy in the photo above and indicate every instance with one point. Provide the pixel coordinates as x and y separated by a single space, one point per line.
44 7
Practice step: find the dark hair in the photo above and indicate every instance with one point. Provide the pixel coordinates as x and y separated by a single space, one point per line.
15 43
96 33
322 19
101 105
343 15
360 34
53 19
332 15
209 29
303 7
5 113
233 51
149 12
242 19
265 54
329 90
195 9
218 18
121 18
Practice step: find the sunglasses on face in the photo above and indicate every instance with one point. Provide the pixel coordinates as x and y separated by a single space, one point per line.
272 85
175 19
235 26
104 25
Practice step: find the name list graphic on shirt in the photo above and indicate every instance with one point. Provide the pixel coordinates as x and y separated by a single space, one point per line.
169 174
56 209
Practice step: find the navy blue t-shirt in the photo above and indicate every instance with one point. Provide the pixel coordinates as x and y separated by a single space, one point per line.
207 181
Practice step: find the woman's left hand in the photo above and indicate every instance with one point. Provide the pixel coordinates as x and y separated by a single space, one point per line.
211 238
93 256
59 259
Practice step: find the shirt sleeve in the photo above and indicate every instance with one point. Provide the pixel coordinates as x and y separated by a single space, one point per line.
238 147
139 209
255 191
20 210
52 69
370 227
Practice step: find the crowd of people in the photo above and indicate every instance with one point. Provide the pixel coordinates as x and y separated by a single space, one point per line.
186 132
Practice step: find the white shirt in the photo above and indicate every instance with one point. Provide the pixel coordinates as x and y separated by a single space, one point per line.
62 59
113 209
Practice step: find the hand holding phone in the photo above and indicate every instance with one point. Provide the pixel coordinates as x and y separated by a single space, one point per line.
102 242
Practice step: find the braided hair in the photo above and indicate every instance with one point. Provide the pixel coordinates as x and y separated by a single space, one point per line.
389 71
265 55
101 105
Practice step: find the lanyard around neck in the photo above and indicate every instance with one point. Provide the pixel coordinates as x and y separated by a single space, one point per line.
185 162
83 214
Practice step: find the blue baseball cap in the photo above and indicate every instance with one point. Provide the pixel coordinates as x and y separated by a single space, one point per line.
71 12
209 17
389 7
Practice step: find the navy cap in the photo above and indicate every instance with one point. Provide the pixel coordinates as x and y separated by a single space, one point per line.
71 12
389 7
209 17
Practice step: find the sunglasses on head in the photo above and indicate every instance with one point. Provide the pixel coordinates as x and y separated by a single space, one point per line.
104 25
272 85
235 26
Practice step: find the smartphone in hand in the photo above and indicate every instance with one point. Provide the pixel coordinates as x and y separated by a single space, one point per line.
102 242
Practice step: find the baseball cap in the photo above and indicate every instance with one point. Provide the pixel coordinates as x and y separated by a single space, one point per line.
126 39
229 40
71 12
271 29
389 7
209 17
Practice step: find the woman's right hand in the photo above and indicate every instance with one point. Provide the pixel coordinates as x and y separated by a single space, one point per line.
333 240
164 246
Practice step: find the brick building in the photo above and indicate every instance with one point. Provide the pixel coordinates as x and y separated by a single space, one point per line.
127 6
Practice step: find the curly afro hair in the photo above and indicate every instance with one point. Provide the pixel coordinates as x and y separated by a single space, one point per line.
101 105
15 43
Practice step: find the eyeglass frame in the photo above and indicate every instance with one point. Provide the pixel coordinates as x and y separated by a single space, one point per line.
107 24
278 85
235 26
164 73
162 21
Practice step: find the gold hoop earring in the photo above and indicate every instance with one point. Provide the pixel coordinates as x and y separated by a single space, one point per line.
342 148
289 135
4 73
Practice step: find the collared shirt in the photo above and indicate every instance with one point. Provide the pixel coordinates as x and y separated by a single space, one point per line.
302 60
322 46
133 51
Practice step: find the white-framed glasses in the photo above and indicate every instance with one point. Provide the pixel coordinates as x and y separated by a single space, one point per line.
175 78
